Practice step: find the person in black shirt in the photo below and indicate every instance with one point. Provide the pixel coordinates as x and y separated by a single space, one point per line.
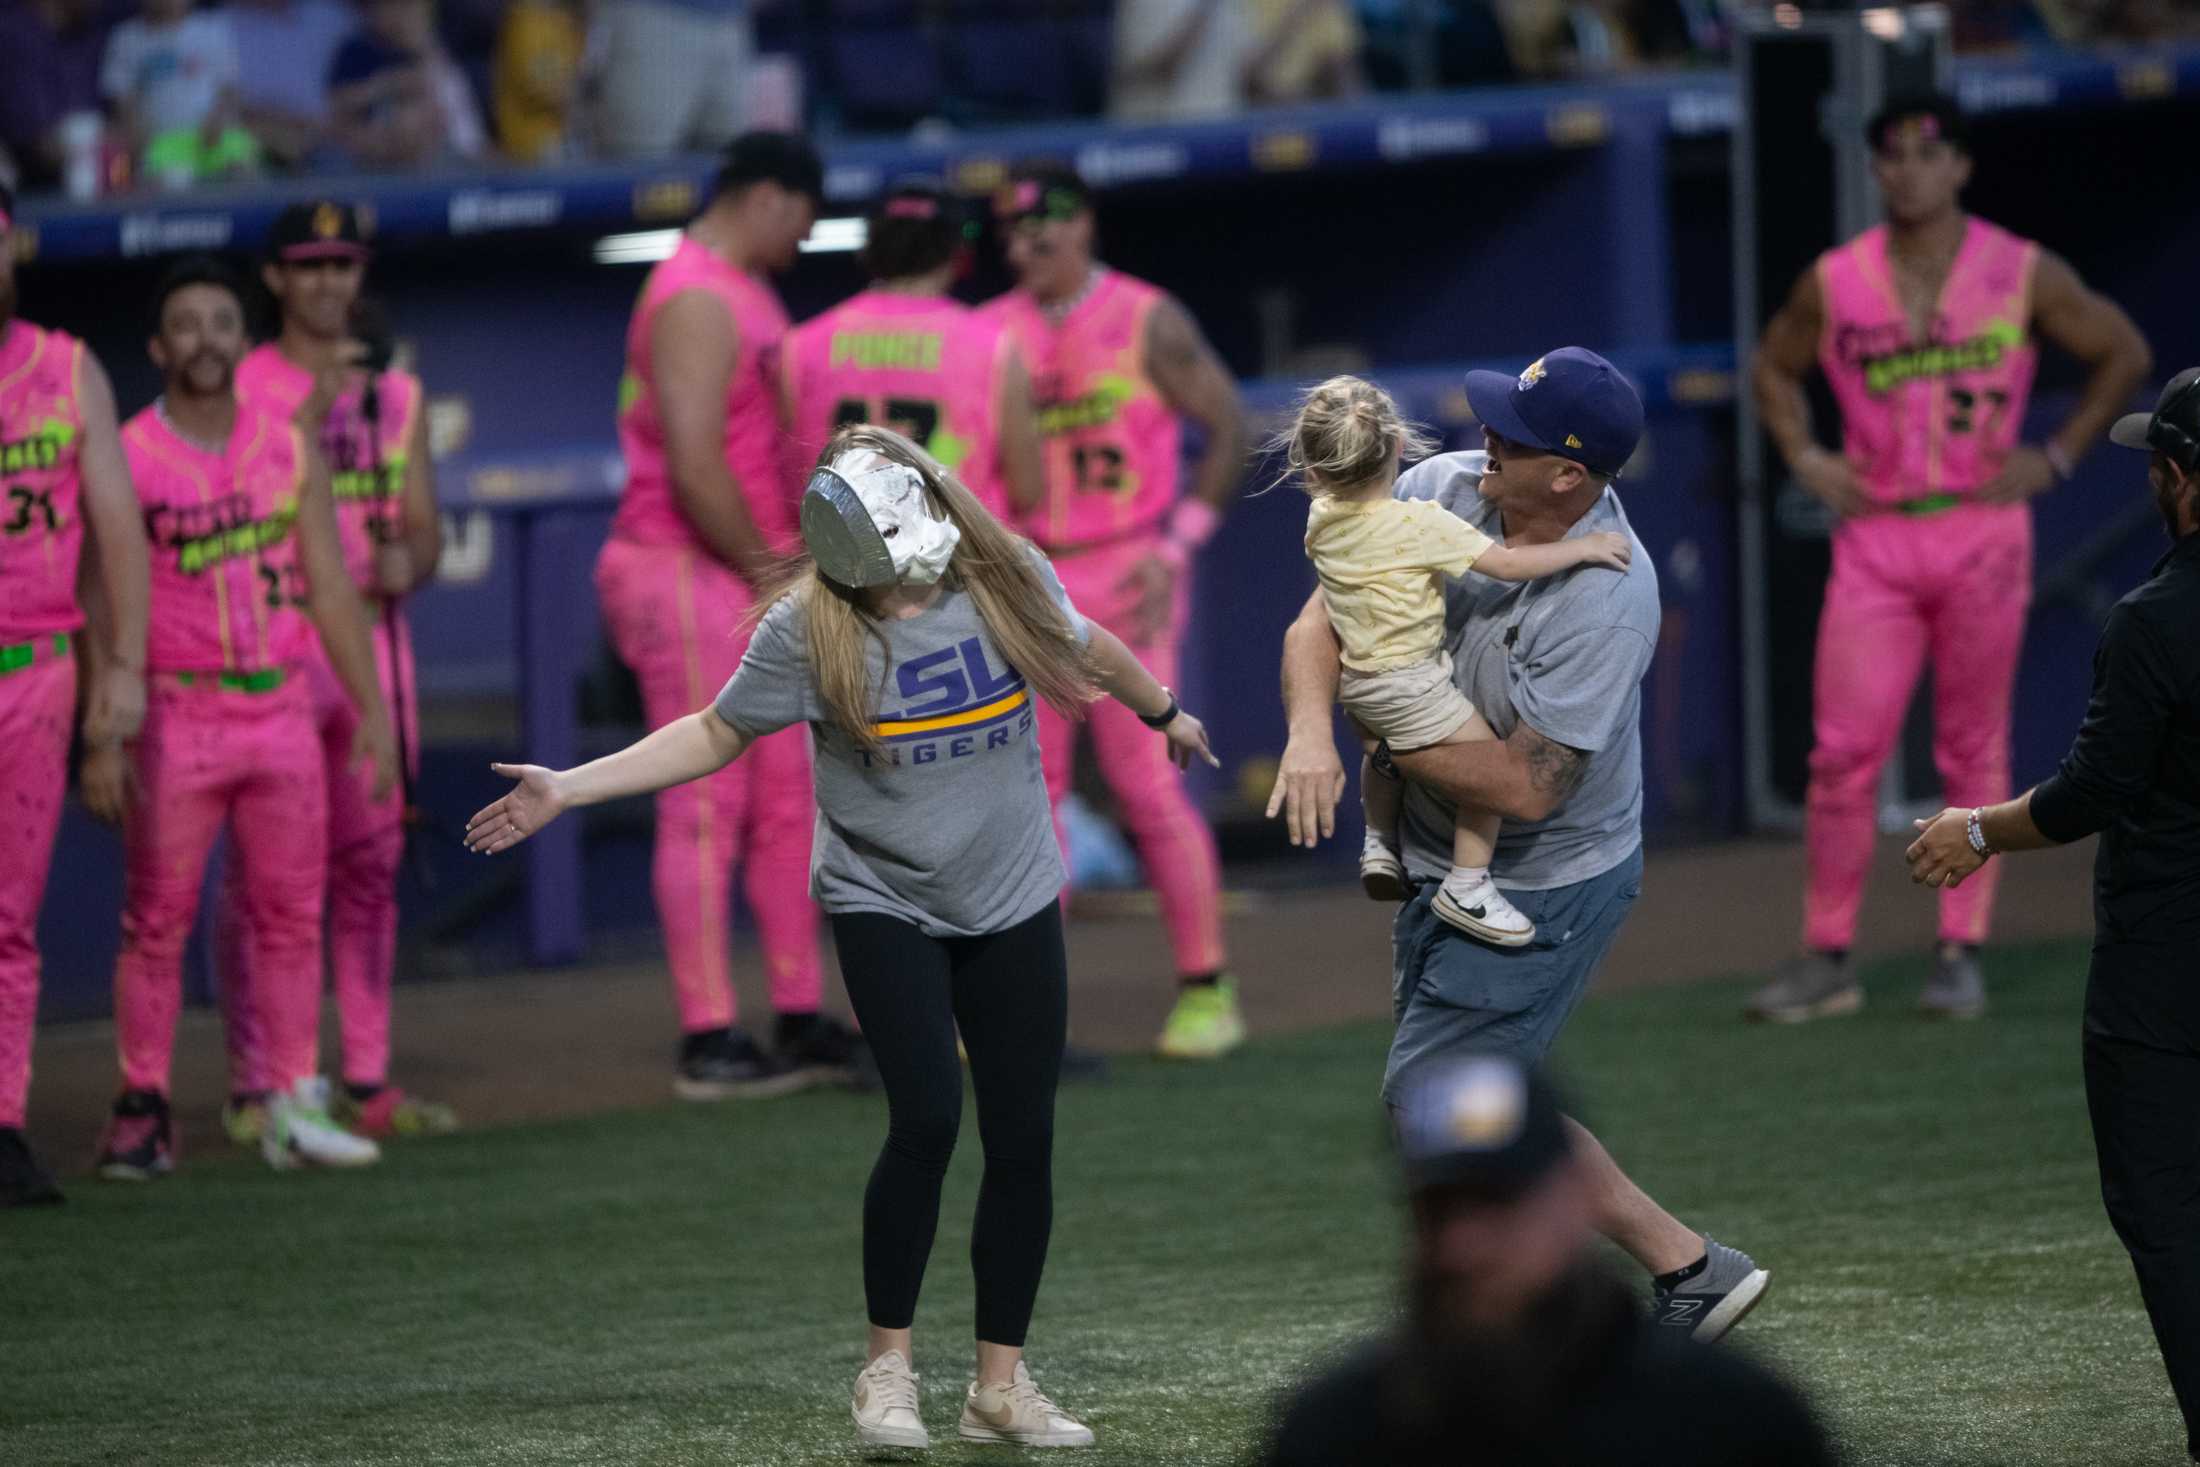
2134 776
1517 1347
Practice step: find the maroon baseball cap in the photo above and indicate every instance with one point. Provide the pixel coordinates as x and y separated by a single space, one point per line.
318 229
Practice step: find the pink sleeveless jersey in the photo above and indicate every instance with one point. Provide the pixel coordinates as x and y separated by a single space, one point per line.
369 487
1112 443
928 367
1932 418
649 514
41 524
228 589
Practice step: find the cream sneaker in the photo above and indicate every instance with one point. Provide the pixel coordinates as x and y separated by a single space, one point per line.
1019 1414
886 1405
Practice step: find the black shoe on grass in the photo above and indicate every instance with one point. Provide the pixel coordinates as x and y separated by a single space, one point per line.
725 1064
23 1182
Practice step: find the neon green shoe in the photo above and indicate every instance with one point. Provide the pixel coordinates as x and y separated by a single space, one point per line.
244 1120
391 1112
1205 1024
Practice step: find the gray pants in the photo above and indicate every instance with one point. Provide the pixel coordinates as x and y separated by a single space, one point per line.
1450 993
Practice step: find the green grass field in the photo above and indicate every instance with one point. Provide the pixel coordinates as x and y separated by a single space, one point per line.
681 1285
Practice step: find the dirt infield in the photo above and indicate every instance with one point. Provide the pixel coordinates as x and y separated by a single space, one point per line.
538 1044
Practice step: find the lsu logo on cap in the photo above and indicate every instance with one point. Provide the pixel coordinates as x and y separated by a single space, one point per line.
1532 373
328 222
1572 441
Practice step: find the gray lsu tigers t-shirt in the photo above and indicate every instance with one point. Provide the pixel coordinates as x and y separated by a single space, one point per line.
951 829
1565 653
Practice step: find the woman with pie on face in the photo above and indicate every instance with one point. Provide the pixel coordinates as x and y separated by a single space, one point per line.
915 642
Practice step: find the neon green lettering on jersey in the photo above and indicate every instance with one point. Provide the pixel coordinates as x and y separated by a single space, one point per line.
875 351
41 448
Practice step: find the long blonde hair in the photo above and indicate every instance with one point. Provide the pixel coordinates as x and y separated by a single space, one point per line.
995 567
1347 432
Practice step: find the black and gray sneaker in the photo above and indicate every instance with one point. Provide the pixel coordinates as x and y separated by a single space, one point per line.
725 1064
1813 986
1957 989
827 1049
23 1182
1711 1300
140 1143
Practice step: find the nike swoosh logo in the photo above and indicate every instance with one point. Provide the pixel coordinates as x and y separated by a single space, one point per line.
863 1397
1000 1420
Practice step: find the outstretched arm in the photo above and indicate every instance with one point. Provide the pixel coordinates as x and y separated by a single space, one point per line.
684 749
1125 679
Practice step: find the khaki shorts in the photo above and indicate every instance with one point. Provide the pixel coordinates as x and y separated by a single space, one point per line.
1413 707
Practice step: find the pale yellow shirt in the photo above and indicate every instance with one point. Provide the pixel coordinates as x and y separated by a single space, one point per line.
1382 565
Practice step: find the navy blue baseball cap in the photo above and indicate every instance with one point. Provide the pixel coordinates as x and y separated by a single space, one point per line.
1485 1125
1570 402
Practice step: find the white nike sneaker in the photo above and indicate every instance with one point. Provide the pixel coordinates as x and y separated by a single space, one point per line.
885 1406
300 1132
1476 907
1382 874
1020 1414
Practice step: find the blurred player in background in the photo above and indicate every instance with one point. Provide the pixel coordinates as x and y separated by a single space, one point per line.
1117 364
906 355
705 518
247 565
61 471
373 435
1924 328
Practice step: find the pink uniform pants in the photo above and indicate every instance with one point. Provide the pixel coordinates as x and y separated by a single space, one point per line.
1952 587
37 709
211 758
675 616
366 844
1173 841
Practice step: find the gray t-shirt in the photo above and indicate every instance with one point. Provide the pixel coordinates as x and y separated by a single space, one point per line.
1565 653
952 831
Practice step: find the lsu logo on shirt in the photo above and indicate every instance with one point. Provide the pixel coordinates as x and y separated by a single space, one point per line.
956 705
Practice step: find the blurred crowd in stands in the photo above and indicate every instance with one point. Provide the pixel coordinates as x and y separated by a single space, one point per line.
107 96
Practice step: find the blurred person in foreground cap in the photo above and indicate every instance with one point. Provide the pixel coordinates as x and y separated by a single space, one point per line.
61 456
1927 329
370 421
1517 1347
1555 666
2133 775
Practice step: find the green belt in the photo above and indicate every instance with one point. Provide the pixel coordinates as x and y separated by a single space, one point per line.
1928 504
19 655
266 680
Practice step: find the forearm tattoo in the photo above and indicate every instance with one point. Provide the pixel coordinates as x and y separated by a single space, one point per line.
1553 769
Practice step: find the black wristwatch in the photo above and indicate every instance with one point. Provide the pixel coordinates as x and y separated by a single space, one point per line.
1161 721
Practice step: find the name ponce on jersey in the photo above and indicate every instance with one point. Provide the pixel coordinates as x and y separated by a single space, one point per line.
875 351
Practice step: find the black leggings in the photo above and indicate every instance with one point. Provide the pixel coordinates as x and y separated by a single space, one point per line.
1008 992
